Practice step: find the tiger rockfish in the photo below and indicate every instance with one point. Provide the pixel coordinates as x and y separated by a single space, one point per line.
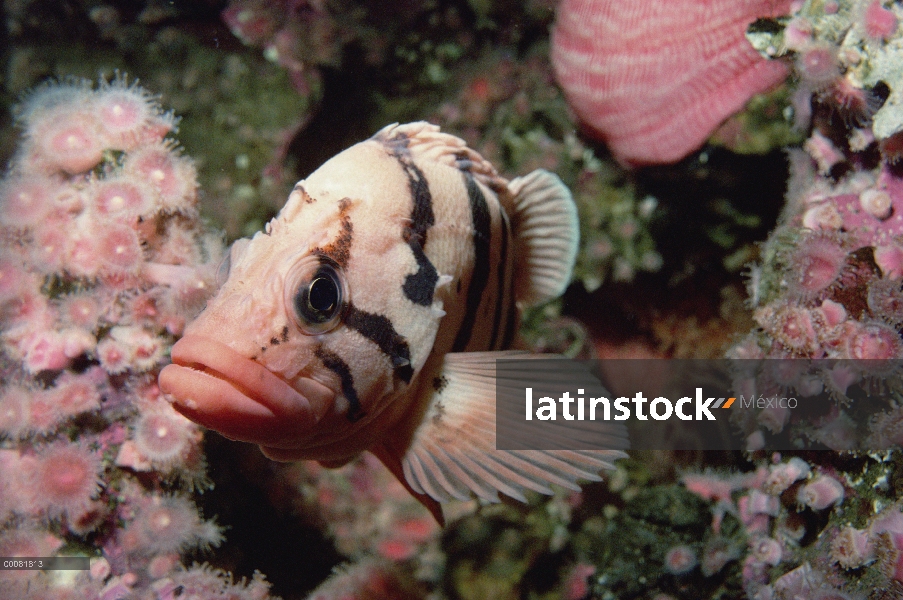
370 312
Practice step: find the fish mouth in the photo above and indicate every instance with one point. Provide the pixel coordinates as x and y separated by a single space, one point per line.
215 386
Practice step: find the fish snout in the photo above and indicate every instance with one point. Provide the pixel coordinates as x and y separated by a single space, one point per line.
219 388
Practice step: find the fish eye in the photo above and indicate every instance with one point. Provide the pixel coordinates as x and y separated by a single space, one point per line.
316 294
321 298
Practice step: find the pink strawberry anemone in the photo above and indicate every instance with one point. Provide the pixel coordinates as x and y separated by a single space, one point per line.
215 386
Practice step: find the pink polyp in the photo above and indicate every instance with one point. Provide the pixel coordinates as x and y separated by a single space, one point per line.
878 22
68 141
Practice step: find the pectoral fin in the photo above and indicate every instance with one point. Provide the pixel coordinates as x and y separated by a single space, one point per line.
453 454
389 457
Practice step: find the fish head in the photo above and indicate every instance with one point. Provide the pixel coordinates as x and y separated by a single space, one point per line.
299 351
270 359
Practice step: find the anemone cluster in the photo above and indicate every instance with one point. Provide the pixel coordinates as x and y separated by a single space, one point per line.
829 282
103 259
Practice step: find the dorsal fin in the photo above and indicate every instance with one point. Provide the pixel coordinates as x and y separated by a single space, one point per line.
546 235
424 141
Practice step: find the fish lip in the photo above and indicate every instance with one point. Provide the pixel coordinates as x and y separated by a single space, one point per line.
217 387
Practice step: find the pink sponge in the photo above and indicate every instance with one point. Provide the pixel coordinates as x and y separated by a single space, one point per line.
654 79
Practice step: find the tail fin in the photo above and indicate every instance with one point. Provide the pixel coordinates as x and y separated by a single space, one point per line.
546 233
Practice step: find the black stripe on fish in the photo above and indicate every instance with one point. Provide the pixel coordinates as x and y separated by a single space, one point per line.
304 195
379 330
500 296
334 363
482 235
418 287
464 163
